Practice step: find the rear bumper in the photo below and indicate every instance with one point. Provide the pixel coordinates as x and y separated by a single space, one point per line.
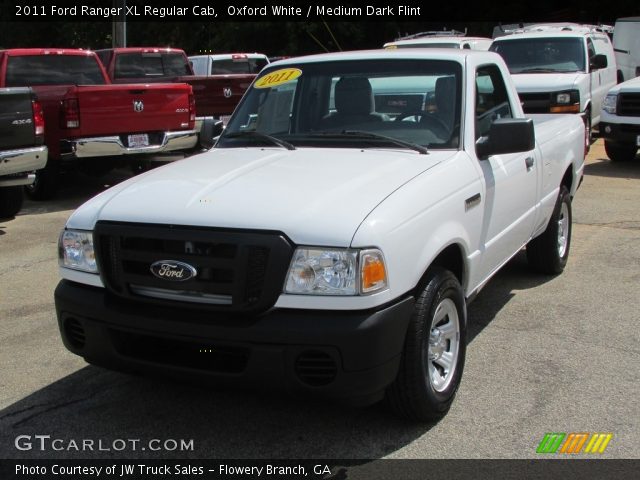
114 145
620 132
339 354
16 165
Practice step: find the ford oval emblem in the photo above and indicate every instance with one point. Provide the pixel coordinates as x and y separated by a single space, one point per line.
173 270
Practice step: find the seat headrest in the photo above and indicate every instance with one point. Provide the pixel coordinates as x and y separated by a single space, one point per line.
445 93
354 96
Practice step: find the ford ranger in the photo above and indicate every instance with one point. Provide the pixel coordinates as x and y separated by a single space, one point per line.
21 146
91 123
331 240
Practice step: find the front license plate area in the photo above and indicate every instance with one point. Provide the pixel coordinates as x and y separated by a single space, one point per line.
138 140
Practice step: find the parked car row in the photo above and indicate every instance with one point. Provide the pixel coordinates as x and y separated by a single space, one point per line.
119 104
105 106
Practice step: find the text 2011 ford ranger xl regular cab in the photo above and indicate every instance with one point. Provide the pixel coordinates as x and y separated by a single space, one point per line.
330 241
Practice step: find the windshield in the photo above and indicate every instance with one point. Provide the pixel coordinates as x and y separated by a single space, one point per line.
542 55
31 70
152 64
237 65
357 104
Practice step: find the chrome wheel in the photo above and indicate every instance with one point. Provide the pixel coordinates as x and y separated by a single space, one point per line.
444 341
563 230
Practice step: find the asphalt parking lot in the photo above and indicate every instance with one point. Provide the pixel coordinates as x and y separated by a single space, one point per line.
546 354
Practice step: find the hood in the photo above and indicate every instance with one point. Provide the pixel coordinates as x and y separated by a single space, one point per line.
545 82
315 196
630 86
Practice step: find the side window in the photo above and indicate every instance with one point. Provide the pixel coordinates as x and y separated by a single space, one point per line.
591 50
492 101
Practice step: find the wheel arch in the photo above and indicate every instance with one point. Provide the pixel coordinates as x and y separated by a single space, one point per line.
451 257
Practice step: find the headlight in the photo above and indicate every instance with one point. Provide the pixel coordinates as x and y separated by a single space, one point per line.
75 250
609 103
319 271
567 98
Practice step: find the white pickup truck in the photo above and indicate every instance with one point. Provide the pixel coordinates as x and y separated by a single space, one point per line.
620 125
331 240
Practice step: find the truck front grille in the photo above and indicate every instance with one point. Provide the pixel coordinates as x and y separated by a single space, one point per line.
236 270
629 105
535 102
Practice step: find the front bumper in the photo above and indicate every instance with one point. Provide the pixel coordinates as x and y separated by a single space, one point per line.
339 354
620 132
115 146
16 165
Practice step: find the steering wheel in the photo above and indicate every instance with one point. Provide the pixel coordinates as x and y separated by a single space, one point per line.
428 119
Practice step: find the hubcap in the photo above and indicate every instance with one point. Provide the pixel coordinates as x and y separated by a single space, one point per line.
563 230
444 341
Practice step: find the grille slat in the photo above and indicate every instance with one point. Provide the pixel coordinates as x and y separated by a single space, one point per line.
316 368
247 266
629 105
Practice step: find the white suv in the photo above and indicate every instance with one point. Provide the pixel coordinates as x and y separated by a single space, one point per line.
560 68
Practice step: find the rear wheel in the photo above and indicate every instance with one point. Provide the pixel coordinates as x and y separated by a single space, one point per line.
11 199
620 152
548 253
434 350
45 185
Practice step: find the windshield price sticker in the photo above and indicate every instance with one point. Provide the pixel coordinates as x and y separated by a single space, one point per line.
278 77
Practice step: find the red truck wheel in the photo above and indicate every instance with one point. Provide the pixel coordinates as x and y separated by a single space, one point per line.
11 199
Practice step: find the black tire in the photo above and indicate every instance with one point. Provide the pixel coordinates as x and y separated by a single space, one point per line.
544 252
11 200
413 395
46 185
588 134
620 152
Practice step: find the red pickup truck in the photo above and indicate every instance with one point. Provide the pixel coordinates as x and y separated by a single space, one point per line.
216 96
91 123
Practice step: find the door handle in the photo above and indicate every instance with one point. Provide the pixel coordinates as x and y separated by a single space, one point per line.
529 162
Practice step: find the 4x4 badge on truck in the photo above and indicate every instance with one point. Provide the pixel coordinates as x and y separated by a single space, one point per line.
138 106
173 270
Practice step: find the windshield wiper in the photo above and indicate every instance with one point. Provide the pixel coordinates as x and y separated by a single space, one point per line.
362 134
264 136
537 70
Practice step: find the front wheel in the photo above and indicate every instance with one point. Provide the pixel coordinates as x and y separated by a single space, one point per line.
620 152
434 350
548 252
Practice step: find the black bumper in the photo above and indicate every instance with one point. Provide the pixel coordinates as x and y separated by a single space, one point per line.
620 132
339 354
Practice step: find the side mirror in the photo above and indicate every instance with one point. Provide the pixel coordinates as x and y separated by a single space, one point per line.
599 61
507 135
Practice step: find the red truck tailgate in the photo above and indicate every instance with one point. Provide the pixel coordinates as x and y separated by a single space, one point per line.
218 95
131 108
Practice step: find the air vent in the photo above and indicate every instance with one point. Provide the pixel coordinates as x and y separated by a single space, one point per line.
74 332
316 368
